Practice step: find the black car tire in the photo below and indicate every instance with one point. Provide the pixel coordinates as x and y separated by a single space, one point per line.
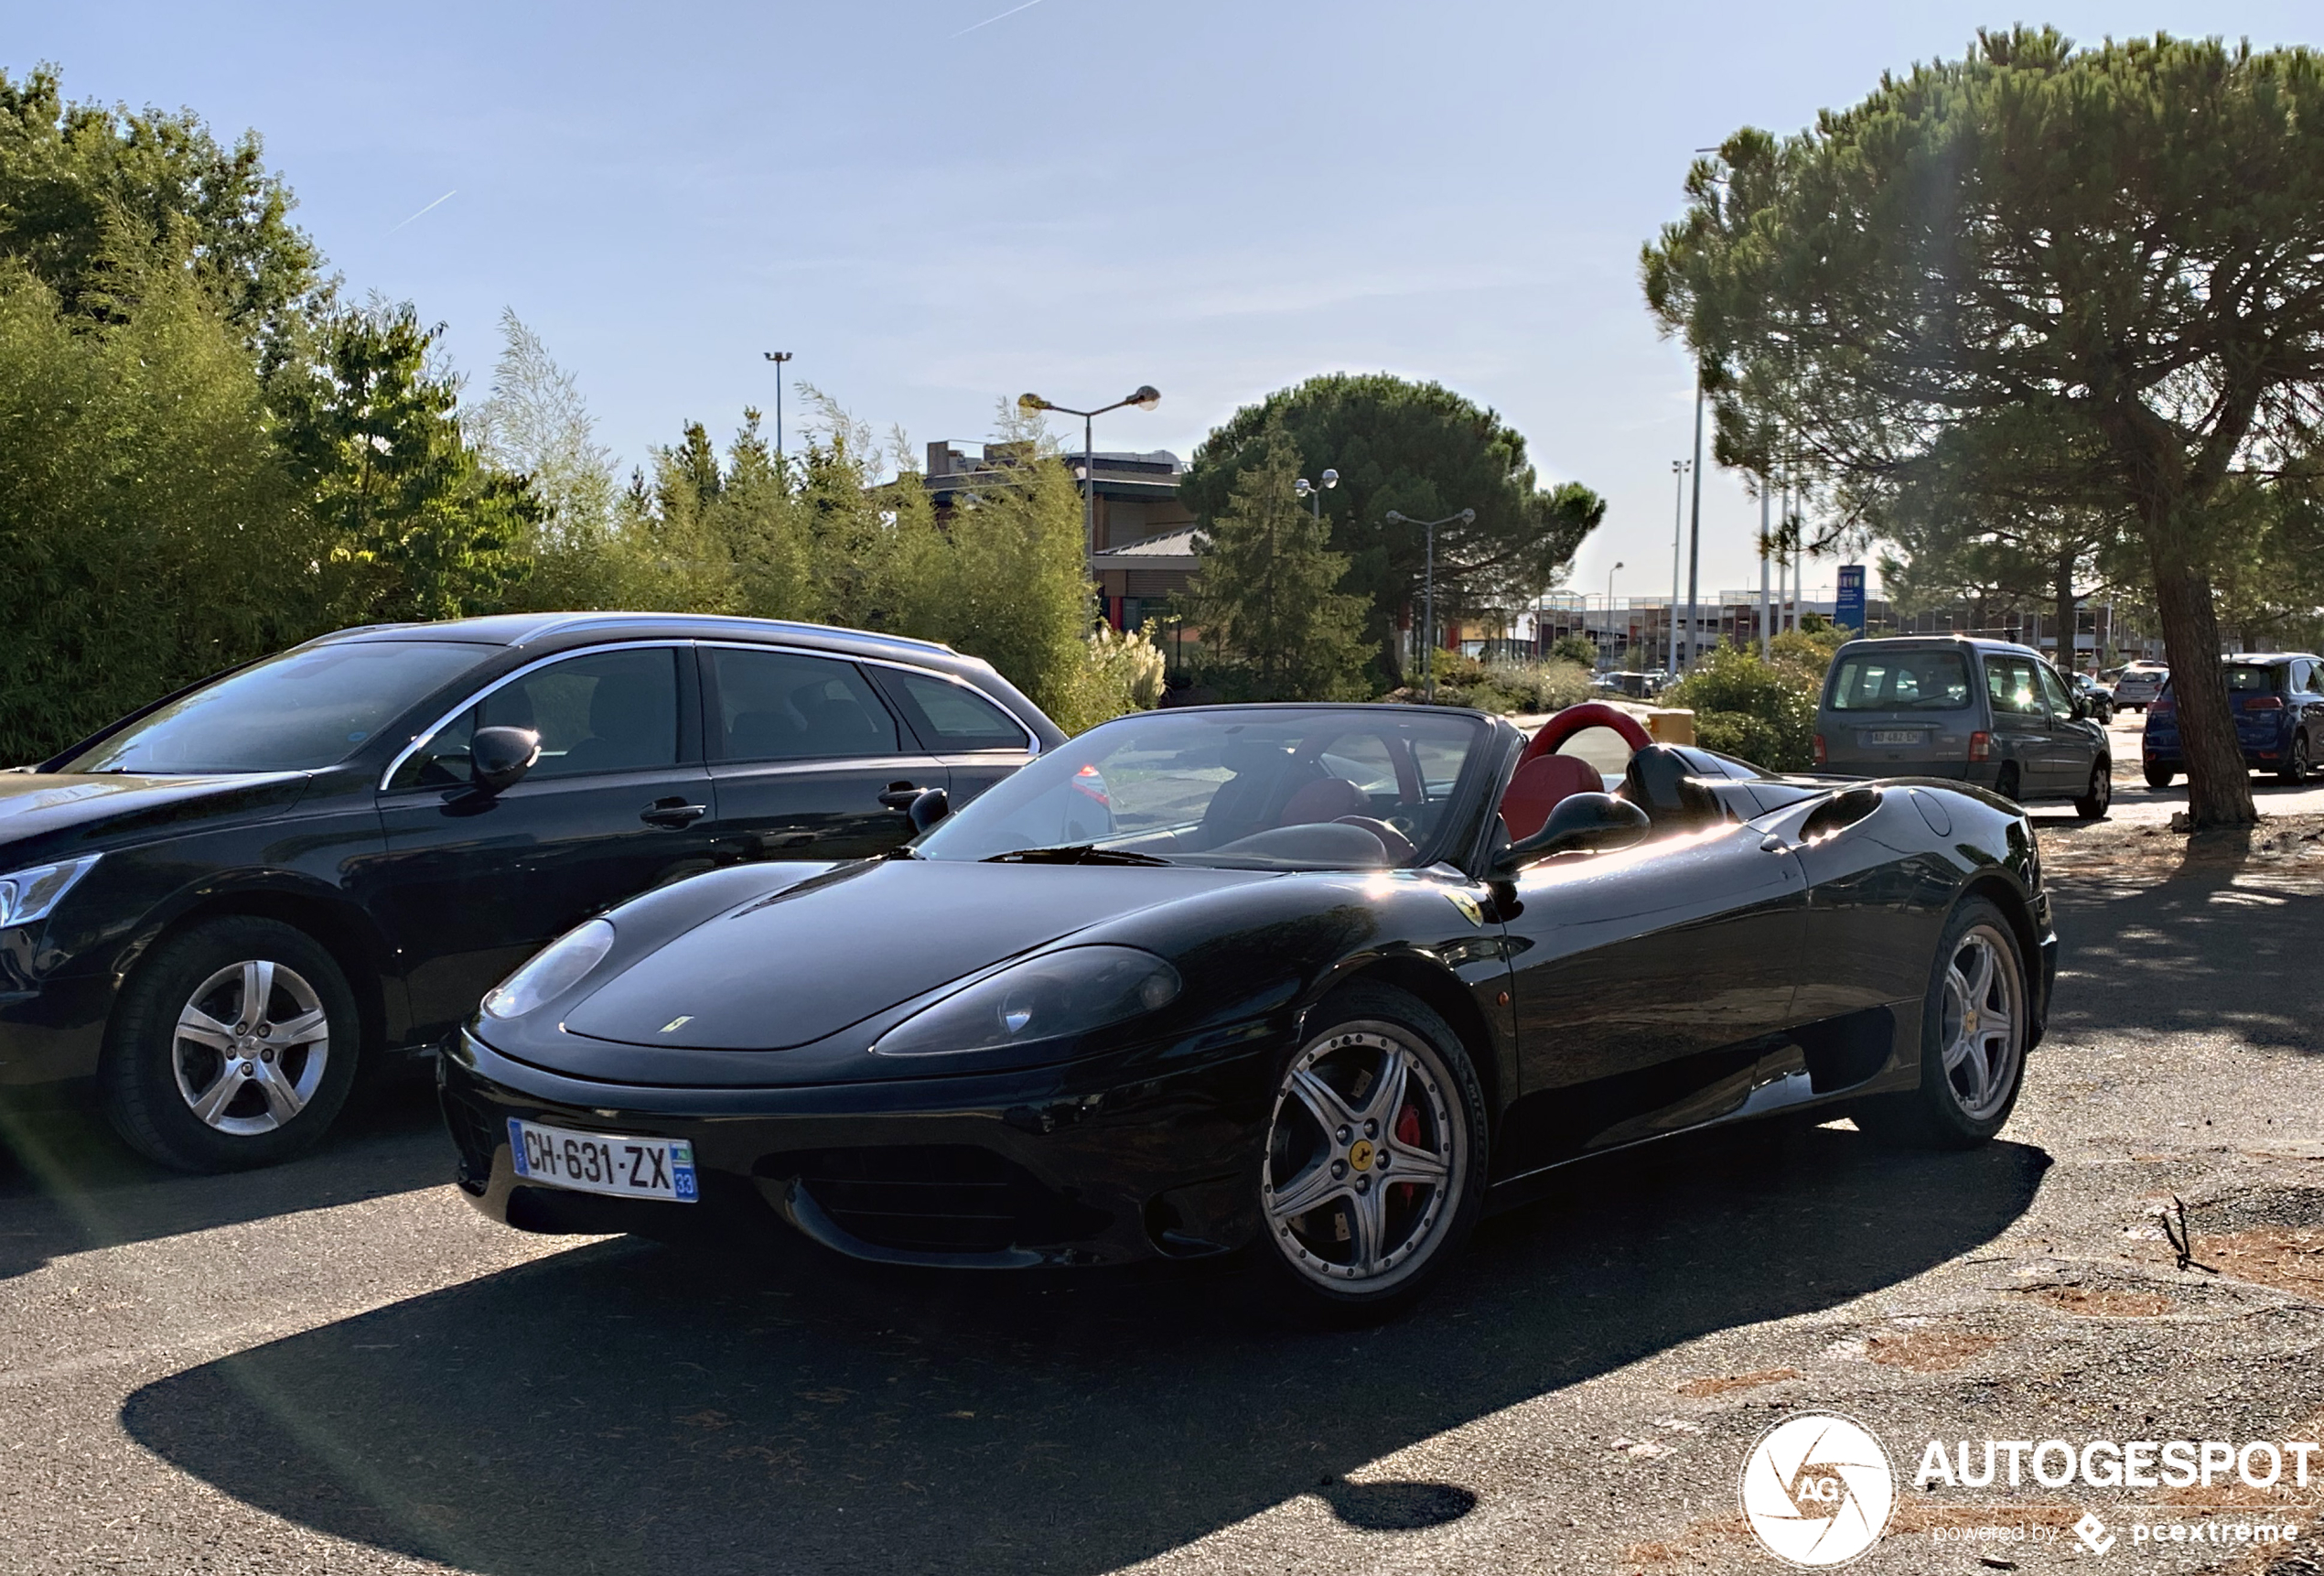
2159 776
2093 805
1445 1117
2005 784
152 1073
2297 765
1939 1115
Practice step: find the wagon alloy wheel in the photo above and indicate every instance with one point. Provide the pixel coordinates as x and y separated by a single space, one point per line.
1983 1023
252 1046
1369 1174
234 1043
2296 761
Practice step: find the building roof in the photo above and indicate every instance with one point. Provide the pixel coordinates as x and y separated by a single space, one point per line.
1171 550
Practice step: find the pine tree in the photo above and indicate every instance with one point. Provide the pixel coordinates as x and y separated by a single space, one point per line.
1265 586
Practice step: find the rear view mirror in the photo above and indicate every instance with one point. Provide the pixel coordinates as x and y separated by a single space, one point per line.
1581 822
498 756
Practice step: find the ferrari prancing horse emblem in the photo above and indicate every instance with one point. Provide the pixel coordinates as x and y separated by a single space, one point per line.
1360 1154
1467 906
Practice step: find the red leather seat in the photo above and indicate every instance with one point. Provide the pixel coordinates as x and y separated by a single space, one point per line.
1538 786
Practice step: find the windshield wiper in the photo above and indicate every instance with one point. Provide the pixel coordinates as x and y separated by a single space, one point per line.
1074 854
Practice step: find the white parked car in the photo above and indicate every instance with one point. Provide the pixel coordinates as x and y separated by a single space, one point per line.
2139 685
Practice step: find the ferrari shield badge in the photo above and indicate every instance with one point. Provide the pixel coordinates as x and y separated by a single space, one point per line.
1467 907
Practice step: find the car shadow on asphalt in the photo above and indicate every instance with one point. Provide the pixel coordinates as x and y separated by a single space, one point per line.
2214 941
69 1184
626 1408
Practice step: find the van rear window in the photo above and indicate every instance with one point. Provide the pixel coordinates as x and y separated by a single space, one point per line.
1901 681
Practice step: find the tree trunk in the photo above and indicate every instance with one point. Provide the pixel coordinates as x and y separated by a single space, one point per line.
2062 586
2218 784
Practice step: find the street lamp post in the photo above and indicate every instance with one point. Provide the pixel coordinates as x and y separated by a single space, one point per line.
1609 600
1146 398
778 358
1313 493
1428 592
1679 468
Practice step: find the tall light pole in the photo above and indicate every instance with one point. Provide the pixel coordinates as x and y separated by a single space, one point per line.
1679 468
1610 600
778 358
1313 493
1146 398
1694 528
1428 592
1766 634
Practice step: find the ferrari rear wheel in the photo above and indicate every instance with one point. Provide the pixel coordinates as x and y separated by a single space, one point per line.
1975 1026
1374 1168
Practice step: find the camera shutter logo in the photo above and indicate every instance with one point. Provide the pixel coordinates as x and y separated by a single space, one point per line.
1817 1490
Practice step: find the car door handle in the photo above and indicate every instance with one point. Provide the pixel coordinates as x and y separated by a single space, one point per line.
672 812
899 796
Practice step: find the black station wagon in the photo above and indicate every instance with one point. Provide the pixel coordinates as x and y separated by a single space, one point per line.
218 906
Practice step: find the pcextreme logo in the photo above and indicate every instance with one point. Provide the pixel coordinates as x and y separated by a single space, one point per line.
1817 1490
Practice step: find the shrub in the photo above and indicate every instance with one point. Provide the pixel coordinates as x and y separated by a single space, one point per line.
1763 712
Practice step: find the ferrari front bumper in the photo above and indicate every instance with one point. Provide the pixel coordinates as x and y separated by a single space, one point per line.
1103 1160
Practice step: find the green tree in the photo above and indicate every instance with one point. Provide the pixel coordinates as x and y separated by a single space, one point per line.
1425 452
420 525
84 188
1265 586
2123 243
1579 650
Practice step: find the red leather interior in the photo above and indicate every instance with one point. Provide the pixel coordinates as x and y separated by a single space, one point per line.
1325 801
1537 787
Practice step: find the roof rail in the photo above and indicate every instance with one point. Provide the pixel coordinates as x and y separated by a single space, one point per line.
586 621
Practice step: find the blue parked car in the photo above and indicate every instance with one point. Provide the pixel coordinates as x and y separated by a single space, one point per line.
2279 701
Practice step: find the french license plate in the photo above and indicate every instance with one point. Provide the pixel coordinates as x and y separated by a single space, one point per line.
1894 735
603 1162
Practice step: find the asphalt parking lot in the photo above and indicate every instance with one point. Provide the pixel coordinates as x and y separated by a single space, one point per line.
338 1366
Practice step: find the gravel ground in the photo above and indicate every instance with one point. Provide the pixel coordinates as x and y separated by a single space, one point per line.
337 1366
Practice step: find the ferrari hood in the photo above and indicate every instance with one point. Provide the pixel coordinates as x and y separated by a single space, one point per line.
800 966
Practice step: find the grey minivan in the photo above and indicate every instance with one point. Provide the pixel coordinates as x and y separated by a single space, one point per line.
1979 711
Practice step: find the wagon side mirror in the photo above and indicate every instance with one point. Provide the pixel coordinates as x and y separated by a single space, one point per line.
1590 822
2081 705
498 756
931 805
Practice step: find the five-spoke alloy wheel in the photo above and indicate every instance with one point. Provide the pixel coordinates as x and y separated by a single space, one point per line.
1977 1024
233 1044
1374 1162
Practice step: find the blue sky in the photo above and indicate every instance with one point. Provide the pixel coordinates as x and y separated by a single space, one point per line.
1218 199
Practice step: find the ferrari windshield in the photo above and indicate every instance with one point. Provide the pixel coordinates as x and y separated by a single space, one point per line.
304 710
1337 788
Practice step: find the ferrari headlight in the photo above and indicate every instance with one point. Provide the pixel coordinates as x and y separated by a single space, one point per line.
1050 996
554 970
27 896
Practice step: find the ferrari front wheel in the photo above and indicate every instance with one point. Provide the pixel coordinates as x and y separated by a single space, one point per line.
1374 1167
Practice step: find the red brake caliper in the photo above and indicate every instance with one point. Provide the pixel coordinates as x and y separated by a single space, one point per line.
1407 1132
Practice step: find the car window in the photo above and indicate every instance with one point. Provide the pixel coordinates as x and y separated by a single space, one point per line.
2315 685
300 711
2053 691
784 706
2009 681
951 716
2250 678
1900 680
606 711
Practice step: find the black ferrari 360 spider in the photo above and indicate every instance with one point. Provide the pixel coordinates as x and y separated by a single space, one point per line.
1319 983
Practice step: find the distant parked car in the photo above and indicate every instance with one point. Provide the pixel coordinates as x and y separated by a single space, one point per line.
2139 685
1980 711
2278 702
2101 698
216 906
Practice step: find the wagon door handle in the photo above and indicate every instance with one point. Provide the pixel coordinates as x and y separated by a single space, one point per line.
899 796
672 812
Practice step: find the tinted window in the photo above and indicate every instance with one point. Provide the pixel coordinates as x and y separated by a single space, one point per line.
299 712
1900 680
2010 682
781 706
2315 685
608 711
953 717
2250 678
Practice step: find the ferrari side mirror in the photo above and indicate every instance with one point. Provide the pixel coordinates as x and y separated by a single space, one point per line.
1580 822
932 805
498 756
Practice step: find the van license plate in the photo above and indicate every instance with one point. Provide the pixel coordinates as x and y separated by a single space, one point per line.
1895 736
602 1162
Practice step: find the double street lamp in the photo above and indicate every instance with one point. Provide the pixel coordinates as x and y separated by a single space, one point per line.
1313 493
1146 398
1428 593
